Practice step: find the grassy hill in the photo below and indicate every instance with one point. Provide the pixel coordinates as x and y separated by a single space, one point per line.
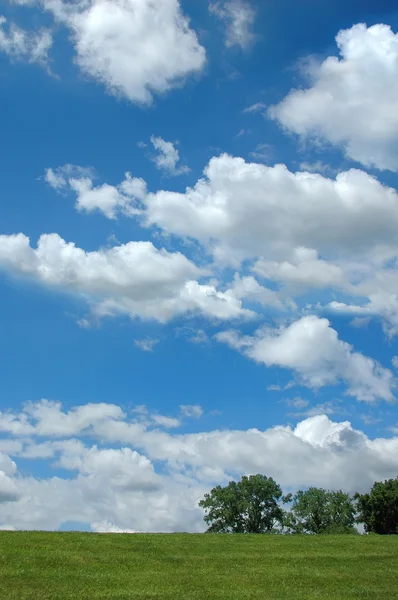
63 566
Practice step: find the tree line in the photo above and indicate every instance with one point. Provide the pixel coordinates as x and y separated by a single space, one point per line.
255 504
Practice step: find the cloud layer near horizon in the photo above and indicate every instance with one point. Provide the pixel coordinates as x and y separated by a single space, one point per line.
125 471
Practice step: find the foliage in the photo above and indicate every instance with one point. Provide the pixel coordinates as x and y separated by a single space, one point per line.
248 506
86 566
321 511
378 510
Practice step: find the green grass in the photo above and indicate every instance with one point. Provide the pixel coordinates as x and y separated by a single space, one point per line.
63 566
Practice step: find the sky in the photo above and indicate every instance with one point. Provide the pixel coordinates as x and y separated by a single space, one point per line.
198 254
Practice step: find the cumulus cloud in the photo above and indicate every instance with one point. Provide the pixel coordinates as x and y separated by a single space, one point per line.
305 270
113 483
8 488
312 348
136 48
50 421
108 199
248 288
124 468
339 234
167 157
239 209
20 44
238 17
7 466
351 101
381 301
134 278
335 231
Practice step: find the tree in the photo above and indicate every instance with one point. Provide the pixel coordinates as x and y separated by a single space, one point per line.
378 510
248 506
321 511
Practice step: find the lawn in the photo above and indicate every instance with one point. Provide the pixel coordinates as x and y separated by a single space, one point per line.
85 566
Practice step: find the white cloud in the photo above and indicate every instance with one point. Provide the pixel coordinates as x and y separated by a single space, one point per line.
351 101
123 469
239 17
8 488
166 422
55 179
119 489
249 288
347 309
135 269
239 209
382 302
146 344
305 271
108 199
7 466
191 410
107 527
339 234
136 48
311 347
51 421
105 198
167 157
150 419
59 178
394 362
20 44
135 278
385 304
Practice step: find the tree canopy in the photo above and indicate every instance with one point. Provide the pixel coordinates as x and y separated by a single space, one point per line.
378 509
251 505
321 511
255 505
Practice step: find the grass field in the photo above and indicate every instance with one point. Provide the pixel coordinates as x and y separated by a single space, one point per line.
63 566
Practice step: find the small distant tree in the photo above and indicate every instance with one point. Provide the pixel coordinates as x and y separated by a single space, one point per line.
321 511
378 510
250 505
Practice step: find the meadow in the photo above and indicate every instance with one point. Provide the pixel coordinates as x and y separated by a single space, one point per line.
87 566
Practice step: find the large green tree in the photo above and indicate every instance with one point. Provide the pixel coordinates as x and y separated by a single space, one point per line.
321 511
251 505
378 509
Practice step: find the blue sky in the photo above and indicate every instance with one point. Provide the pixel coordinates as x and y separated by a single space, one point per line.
198 254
